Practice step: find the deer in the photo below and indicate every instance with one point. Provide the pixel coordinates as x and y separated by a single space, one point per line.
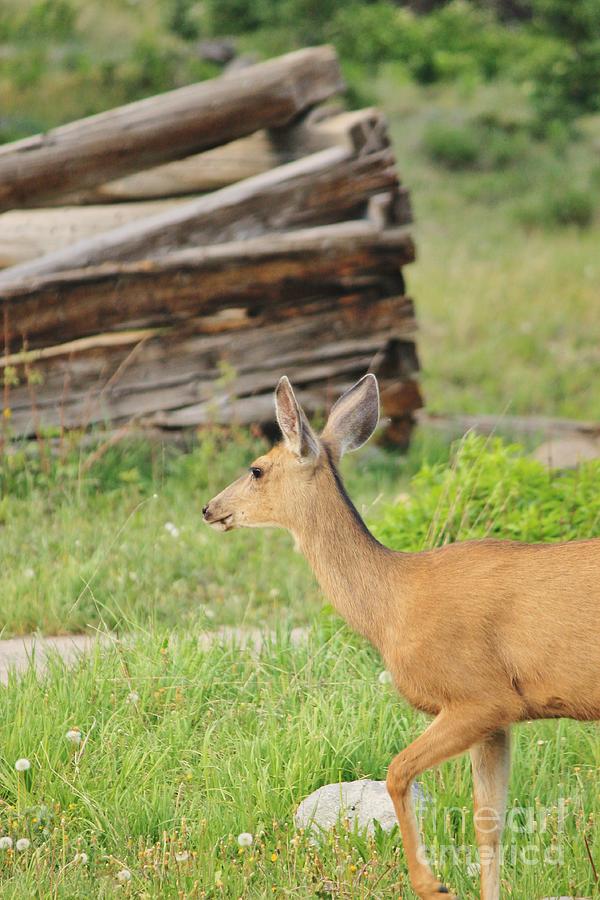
479 634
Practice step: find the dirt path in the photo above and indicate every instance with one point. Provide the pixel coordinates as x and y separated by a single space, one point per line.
19 653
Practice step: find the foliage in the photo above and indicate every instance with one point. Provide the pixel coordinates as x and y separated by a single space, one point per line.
562 205
493 490
183 747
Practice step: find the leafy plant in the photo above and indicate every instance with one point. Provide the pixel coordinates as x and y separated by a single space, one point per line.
493 490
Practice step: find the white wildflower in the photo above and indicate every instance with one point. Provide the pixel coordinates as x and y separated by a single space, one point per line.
182 856
81 858
23 844
22 765
124 875
245 839
172 529
385 677
73 735
133 697
6 842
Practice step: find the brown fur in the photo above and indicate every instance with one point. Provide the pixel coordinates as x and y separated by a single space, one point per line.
479 634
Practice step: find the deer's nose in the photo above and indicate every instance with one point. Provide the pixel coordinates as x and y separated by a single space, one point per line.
204 510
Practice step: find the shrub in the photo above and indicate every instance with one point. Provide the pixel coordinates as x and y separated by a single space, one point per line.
493 489
453 146
558 207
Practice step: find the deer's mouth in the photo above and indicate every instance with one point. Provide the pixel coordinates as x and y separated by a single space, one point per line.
225 523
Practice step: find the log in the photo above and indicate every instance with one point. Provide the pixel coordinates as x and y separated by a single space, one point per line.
245 157
103 381
166 127
29 234
271 276
325 187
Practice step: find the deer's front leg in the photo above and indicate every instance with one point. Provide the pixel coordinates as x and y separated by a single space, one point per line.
452 732
491 766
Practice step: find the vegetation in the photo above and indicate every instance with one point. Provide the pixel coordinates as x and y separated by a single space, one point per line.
173 751
176 749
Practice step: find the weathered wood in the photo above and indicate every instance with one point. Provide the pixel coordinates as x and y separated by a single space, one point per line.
169 126
29 234
151 357
197 174
99 381
246 157
325 187
263 276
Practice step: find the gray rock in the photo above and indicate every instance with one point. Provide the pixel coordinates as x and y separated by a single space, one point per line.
361 802
567 452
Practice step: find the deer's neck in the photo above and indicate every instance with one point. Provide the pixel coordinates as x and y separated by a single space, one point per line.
352 567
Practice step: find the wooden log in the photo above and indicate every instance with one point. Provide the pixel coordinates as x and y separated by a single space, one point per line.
29 234
148 357
325 187
169 126
245 157
102 380
267 275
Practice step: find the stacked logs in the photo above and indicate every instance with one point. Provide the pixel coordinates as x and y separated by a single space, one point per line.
183 297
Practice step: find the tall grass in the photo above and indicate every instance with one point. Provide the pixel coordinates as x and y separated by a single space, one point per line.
182 749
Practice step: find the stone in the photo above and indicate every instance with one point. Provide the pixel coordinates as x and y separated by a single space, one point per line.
361 802
567 452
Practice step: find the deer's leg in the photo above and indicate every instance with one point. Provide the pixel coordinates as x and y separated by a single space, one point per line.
491 766
452 732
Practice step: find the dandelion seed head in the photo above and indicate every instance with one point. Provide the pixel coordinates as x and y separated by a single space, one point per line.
182 856
385 677
73 735
245 839
22 765
172 529
133 697
81 858
6 842
124 875
29 572
23 844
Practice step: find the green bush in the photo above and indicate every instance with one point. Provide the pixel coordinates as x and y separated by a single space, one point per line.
453 146
493 489
559 206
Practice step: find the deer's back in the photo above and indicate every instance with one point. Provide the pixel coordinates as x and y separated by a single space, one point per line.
520 619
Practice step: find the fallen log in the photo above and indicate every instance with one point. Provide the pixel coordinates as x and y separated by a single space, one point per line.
272 276
322 188
169 126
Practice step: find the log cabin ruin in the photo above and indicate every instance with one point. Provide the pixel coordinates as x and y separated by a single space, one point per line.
165 262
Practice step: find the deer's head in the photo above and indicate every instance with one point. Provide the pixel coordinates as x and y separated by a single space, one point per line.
288 482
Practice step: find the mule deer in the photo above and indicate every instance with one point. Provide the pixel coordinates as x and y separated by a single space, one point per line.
479 634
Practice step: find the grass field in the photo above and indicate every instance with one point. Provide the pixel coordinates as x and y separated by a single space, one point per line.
182 750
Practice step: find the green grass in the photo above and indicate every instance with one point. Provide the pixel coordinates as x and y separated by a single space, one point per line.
91 549
221 742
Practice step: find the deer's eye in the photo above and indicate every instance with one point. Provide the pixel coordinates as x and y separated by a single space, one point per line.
256 471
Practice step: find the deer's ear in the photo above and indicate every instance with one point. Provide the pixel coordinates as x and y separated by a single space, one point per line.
296 431
353 418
